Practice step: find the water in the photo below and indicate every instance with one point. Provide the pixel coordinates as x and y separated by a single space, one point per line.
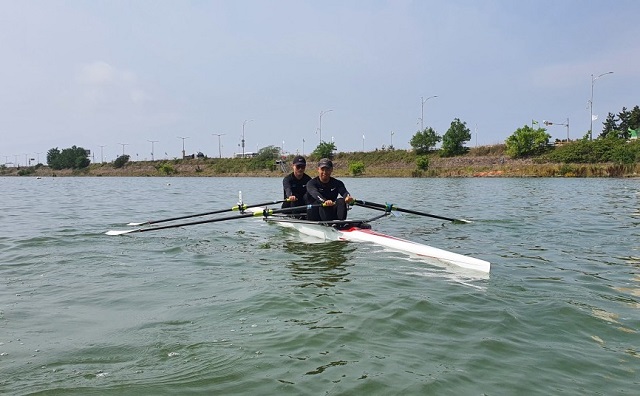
244 307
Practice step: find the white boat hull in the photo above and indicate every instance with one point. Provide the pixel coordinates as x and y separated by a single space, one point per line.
356 234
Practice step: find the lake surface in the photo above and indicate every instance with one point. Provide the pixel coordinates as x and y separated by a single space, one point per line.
245 307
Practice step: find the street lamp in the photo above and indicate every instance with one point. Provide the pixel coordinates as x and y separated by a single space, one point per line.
363 142
123 144
183 138
391 139
423 101
321 114
593 80
219 145
152 142
243 124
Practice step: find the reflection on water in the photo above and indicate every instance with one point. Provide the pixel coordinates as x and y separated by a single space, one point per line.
319 264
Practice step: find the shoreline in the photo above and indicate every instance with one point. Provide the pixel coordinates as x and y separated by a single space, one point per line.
464 166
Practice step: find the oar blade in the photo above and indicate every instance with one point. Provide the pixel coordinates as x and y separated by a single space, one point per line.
120 232
137 224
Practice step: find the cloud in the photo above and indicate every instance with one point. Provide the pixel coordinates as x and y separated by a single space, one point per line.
101 83
97 73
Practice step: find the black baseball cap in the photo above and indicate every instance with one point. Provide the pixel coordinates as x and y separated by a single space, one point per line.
325 163
299 160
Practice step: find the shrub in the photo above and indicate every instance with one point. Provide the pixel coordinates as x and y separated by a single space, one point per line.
166 168
527 141
422 162
26 171
356 168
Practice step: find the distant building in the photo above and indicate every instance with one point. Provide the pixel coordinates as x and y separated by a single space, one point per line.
247 154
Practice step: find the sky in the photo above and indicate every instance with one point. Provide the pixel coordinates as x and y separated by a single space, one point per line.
143 77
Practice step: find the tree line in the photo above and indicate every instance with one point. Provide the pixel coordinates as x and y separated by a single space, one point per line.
612 145
527 141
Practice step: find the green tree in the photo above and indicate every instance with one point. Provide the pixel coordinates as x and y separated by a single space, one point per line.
634 119
610 126
53 157
324 150
425 140
69 158
623 127
527 141
266 158
453 140
121 161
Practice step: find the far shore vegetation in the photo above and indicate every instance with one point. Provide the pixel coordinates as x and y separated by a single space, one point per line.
527 152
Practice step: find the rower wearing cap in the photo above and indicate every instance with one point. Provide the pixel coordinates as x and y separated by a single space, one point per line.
325 190
295 183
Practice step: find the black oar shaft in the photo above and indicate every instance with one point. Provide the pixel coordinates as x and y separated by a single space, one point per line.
389 208
238 207
266 212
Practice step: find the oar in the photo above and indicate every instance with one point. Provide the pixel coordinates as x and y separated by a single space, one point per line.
238 207
389 208
265 212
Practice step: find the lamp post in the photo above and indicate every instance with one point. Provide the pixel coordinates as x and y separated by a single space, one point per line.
243 124
183 139
102 155
363 142
123 144
321 114
152 142
303 146
219 145
593 80
422 102
391 140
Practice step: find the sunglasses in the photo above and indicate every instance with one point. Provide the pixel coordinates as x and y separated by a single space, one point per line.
300 166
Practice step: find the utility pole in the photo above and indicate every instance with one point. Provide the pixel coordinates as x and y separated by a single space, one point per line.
593 80
152 142
183 138
219 145
243 124
423 101
547 123
321 114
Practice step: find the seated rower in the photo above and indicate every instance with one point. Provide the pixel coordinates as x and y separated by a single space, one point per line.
323 192
294 184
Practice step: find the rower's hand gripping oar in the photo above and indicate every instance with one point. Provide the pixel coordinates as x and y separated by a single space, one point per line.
240 207
264 212
389 208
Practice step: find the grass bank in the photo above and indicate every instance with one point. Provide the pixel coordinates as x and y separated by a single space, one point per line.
486 161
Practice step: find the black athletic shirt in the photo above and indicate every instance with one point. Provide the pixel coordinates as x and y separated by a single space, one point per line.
293 186
318 191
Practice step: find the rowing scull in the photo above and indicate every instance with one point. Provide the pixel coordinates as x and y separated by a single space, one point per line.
360 231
